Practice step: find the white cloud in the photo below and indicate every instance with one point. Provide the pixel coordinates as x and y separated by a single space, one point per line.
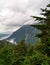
14 13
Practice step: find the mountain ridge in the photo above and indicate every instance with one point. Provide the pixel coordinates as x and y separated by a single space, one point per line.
26 33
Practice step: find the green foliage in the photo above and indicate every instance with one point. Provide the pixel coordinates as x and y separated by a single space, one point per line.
45 30
23 54
21 49
7 56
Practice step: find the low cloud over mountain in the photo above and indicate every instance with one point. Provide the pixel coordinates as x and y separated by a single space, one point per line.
14 13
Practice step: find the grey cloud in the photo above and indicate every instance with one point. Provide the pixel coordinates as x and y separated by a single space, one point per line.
19 12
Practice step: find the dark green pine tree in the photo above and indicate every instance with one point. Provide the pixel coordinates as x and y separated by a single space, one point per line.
44 26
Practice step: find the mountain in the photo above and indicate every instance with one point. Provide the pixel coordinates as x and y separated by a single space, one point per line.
26 33
3 35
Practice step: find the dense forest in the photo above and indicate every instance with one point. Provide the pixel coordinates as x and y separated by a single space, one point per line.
28 54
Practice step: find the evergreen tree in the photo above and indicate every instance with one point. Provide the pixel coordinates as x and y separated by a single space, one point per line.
44 26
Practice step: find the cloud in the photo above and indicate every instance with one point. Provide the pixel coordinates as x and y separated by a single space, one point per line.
15 13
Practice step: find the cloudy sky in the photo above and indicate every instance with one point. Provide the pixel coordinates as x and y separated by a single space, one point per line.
14 13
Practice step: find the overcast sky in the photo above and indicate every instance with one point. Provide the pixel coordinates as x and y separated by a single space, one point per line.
14 13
